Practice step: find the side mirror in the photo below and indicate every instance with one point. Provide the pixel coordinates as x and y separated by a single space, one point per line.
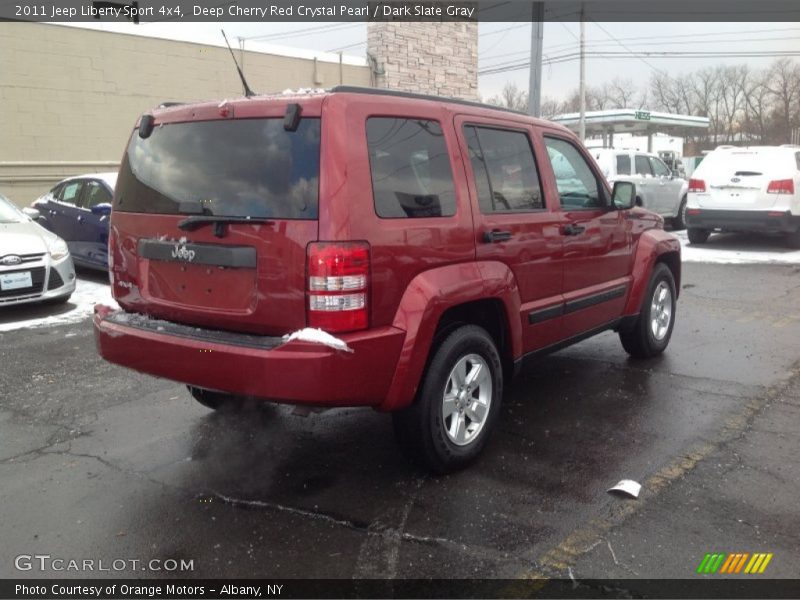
102 209
623 195
32 213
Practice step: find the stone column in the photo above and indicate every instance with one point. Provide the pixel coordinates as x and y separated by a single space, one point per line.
428 58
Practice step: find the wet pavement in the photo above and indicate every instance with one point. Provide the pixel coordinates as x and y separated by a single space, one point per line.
100 462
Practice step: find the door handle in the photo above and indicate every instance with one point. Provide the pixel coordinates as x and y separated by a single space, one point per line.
490 237
80 218
572 229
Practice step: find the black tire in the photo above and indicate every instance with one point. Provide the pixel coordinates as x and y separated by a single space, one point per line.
698 236
793 239
215 400
421 428
639 340
679 222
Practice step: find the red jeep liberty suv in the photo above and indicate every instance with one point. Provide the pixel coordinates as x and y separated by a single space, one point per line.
418 248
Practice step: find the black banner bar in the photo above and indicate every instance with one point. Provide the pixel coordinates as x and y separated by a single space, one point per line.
701 587
143 11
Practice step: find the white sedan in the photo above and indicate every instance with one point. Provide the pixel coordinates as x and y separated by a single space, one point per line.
35 264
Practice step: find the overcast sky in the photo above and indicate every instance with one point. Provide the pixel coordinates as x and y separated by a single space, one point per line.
507 44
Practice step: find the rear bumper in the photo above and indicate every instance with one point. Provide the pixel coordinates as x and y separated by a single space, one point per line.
743 220
259 366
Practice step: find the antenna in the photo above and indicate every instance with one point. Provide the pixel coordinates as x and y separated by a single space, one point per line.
247 91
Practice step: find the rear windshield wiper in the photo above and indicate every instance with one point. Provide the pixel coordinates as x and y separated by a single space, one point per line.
219 222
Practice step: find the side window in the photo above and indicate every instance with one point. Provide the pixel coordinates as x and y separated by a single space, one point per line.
410 166
70 192
659 168
642 165
505 172
56 191
577 185
94 193
623 164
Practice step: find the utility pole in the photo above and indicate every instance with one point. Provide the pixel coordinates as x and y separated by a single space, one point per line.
582 86
535 81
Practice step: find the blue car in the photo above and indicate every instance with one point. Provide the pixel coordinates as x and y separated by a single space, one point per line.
77 210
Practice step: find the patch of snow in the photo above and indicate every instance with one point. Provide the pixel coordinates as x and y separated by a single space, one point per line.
304 91
738 249
87 293
317 336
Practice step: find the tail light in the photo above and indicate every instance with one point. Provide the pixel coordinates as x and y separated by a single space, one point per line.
781 186
697 185
338 276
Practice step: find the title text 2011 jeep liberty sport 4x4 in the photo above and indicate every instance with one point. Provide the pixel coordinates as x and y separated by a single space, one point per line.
430 236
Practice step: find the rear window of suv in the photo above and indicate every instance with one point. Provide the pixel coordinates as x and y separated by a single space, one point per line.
410 166
232 167
623 164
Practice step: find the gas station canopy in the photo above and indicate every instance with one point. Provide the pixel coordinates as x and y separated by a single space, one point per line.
638 122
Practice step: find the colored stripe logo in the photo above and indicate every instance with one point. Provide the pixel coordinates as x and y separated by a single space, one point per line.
734 563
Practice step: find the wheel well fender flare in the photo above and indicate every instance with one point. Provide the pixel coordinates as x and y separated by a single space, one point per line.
426 299
655 246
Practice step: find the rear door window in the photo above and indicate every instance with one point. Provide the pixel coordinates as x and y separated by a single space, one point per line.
94 193
230 167
70 192
410 166
506 176
659 168
623 164
577 185
642 165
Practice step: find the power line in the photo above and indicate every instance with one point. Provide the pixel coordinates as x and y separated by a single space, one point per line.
304 31
631 52
627 55
347 46
652 39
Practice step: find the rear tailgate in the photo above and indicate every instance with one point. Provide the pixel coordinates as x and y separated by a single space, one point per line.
224 272
738 180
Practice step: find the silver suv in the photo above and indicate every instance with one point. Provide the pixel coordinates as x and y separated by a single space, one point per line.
657 188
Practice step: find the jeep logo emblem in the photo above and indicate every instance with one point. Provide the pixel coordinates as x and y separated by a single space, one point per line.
11 260
181 252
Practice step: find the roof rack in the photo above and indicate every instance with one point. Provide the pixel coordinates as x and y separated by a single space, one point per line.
354 89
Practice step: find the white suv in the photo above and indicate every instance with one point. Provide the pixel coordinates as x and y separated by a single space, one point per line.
657 188
746 189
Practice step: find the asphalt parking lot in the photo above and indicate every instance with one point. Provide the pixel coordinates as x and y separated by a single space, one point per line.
101 462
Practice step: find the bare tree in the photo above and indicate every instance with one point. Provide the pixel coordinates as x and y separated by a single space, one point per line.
511 97
758 98
784 84
741 104
622 93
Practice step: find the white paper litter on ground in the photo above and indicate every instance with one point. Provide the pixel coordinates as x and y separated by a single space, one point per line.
317 336
627 486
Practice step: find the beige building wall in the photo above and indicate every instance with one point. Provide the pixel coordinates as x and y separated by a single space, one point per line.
439 58
71 96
